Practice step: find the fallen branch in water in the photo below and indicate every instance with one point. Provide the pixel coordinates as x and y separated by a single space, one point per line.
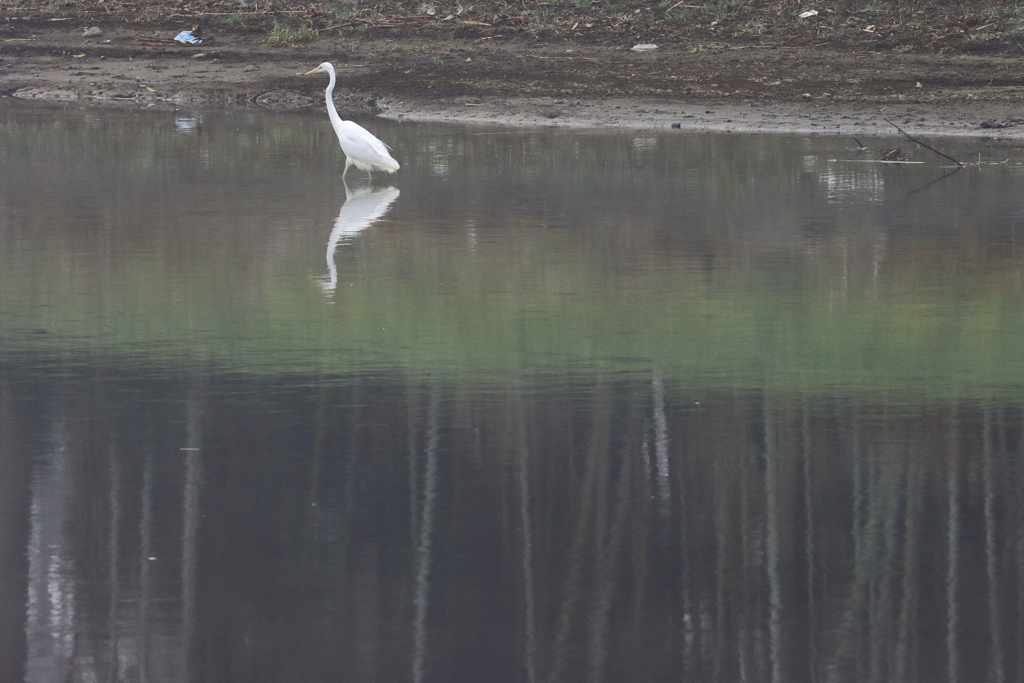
946 156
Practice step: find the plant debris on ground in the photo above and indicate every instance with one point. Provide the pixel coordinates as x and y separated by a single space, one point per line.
974 27
951 67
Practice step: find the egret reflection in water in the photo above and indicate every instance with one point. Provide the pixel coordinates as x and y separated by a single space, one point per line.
362 208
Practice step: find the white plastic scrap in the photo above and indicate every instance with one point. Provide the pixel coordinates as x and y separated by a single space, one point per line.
808 13
644 47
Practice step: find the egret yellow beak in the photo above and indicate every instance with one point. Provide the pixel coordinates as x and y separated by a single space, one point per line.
312 71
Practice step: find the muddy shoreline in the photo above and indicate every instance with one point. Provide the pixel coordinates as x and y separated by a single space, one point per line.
719 87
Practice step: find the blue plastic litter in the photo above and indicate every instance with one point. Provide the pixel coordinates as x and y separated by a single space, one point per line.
187 37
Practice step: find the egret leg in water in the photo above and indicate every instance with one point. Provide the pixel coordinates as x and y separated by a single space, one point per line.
362 149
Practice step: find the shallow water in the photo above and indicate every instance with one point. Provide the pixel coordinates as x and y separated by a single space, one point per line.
545 406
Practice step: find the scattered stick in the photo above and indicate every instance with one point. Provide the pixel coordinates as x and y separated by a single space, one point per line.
232 14
680 3
945 156
382 22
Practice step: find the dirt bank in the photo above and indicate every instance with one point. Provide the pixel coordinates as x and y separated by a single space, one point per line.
726 85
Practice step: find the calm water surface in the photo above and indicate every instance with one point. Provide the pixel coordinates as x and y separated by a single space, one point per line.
545 406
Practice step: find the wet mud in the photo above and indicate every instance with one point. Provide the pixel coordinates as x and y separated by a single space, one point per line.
528 82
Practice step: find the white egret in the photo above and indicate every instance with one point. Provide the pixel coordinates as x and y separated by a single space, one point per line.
362 149
362 208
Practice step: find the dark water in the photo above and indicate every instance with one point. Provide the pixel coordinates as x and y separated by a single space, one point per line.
546 406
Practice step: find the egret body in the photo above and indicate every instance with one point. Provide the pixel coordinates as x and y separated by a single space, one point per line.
362 149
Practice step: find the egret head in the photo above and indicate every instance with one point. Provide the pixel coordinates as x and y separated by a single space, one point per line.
319 70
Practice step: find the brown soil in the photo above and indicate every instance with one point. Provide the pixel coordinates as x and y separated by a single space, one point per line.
730 83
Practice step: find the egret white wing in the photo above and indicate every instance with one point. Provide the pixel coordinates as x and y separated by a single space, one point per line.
362 146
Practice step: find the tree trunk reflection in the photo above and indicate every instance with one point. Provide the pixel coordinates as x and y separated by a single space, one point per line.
423 530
